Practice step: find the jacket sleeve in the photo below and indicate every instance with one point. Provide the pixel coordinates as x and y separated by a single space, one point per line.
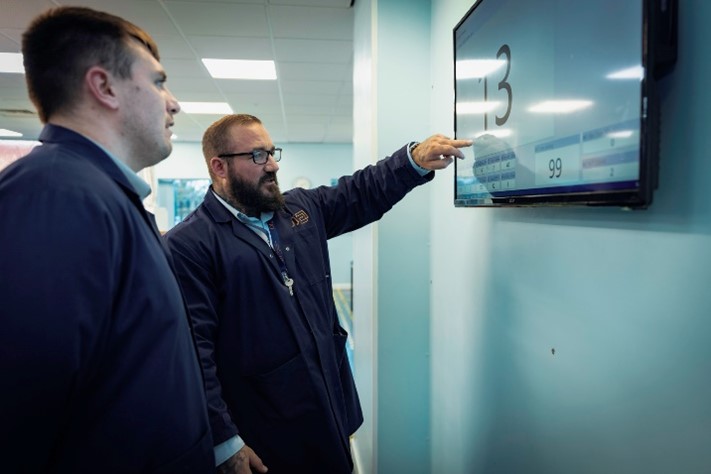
364 197
192 259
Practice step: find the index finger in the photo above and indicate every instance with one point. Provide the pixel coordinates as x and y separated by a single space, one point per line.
452 147
462 143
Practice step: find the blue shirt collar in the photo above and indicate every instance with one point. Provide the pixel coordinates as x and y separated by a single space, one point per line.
259 225
142 188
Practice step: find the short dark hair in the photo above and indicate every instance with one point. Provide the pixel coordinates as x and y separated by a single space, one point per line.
216 138
61 44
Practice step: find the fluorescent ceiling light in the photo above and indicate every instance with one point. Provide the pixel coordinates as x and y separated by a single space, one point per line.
560 106
240 69
220 108
11 62
636 72
476 108
477 68
9 133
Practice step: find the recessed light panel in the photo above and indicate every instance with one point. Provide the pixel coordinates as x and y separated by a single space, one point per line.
240 69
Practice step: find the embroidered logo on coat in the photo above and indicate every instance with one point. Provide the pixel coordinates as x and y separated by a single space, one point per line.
299 218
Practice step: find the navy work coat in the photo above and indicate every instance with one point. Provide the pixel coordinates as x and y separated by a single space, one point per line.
98 368
275 364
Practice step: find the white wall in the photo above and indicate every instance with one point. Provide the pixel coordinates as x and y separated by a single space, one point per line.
365 294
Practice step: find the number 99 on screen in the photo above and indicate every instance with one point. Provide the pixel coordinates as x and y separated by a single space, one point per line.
558 166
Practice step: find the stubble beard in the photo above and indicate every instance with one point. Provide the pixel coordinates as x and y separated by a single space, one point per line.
156 154
147 149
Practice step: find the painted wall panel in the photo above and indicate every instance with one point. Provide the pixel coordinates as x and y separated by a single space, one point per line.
621 296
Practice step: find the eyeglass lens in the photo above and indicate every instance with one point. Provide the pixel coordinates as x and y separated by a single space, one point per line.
261 156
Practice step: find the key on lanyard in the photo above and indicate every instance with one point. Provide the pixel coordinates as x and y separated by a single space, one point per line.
288 282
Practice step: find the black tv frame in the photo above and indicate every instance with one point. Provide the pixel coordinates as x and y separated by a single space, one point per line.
659 54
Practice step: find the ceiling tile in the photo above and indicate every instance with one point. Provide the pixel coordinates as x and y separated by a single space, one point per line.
197 96
311 43
148 15
314 3
321 23
203 2
255 106
306 129
220 19
314 51
10 40
312 87
19 13
232 47
274 123
173 47
291 71
185 68
204 120
256 88
183 86
310 100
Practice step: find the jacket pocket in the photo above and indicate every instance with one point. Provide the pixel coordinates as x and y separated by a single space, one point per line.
340 338
308 252
285 392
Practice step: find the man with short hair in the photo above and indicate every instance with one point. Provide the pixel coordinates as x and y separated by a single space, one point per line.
255 269
98 367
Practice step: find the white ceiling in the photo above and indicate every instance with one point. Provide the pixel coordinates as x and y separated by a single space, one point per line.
310 40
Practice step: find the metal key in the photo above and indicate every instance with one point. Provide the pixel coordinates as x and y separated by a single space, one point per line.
289 283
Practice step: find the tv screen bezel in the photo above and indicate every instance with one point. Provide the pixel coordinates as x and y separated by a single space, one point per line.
658 55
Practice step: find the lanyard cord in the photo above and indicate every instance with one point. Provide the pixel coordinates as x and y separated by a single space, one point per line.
276 246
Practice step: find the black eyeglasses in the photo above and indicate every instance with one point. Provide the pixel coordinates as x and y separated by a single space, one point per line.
258 156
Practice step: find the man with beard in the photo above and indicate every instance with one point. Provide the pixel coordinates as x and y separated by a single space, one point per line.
254 266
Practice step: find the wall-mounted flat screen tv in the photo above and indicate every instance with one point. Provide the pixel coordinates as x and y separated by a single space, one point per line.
561 101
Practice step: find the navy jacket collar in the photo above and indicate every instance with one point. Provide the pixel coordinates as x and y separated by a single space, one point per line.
58 135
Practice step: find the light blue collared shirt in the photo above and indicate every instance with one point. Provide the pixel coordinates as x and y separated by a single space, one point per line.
257 224
142 188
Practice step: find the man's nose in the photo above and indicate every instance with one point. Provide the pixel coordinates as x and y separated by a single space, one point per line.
173 105
271 164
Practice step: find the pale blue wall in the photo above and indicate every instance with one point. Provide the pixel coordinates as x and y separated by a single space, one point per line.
391 257
623 297
403 251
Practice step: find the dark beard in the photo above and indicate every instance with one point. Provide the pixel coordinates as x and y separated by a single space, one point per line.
252 200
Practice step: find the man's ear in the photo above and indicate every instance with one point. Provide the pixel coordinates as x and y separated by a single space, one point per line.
219 167
100 84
